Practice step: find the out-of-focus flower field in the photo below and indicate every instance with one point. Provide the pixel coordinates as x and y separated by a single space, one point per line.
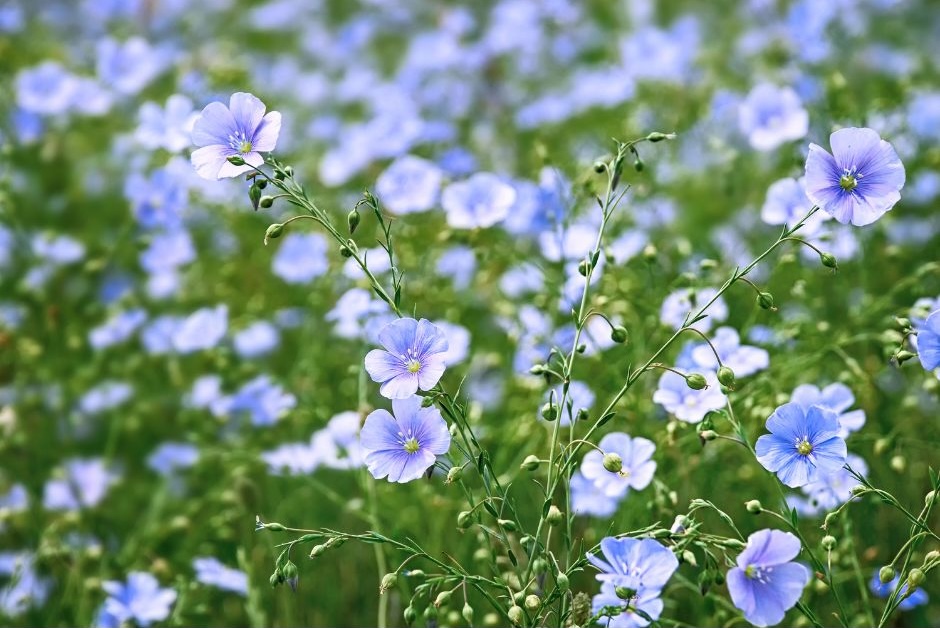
515 210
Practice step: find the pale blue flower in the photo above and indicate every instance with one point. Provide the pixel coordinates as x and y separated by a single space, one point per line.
46 89
85 485
587 499
403 445
829 491
201 330
410 184
744 360
481 201
771 116
242 129
105 396
414 357
261 399
211 571
117 329
638 465
301 258
803 444
157 200
686 300
25 589
787 203
928 342
171 457
459 263
140 600
58 250
884 589
256 340
634 563
859 181
766 584
131 65
169 128
687 404
838 398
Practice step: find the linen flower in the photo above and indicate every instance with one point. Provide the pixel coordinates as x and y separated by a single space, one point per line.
644 599
587 499
884 589
928 342
687 404
859 181
637 471
212 572
766 584
838 398
140 600
803 444
241 129
403 445
478 202
414 357
771 116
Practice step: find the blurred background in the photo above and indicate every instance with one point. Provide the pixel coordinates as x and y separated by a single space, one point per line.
165 377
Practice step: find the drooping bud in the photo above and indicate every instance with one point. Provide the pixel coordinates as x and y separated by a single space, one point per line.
410 615
657 136
903 323
766 301
537 369
886 574
276 578
708 435
613 462
265 201
291 574
915 578
508 524
696 381
317 550
829 261
389 580
549 411
254 194
416 574
532 602
619 334
828 542
583 267
430 614
561 580
932 555
726 377
467 613
464 519
531 463
625 593
554 516
754 507
352 220
898 463
903 356
273 232
453 475
516 615
442 598
679 525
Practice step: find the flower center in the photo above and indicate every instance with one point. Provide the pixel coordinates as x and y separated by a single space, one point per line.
240 142
413 366
244 147
804 447
412 445
848 182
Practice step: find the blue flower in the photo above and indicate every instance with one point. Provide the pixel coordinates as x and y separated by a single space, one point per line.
46 89
157 200
169 128
203 329
301 258
680 303
403 445
741 359
414 357
638 467
58 250
634 563
771 116
803 444
140 600
643 599
240 129
884 589
787 203
171 457
587 499
460 263
685 403
105 396
129 66
478 202
25 589
85 484
211 571
410 184
117 329
766 584
256 340
829 491
836 397
264 401
928 342
859 181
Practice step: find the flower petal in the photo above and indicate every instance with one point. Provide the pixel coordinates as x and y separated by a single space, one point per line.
213 126
208 161
265 138
400 386
247 111
380 432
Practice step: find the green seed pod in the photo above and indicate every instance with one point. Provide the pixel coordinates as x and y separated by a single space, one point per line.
828 542
549 411
554 516
454 474
624 593
656 136
464 519
696 381
886 574
442 598
754 507
516 615
829 261
619 334
273 232
532 602
352 220
531 463
467 613
915 578
583 267
266 201
410 615
430 614
254 194
613 462
317 550
345 251
726 377
508 524
561 580
389 580
274 527
236 160
766 301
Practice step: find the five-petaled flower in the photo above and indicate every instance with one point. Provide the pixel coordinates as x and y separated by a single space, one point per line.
766 584
404 445
803 444
859 181
240 130
414 357
928 342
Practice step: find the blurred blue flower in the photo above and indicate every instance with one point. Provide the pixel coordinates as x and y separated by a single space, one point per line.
211 571
742 359
766 584
836 397
169 128
460 263
116 329
644 599
14 500
256 340
803 444
171 457
261 399
829 491
588 499
686 300
413 358
105 396
787 203
85 484
91 98
337 444
883 589
410 184
928 342
524 278
240 129
655 54
638 465
131 65
770 116
25 589
157 200
377 260
458 162
46 89
859 181
301 258
157 336
356 310
691 406
140 600
203 329
458 342
403 445
58 250
923 116
478 202
291 459
206 390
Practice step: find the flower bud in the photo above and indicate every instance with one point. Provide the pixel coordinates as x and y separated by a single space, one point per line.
537 369
345 251
581 415
679 525
915 577
467 613
508 524
688 557
829 261
265 201
532 602
583 267
254 194
274 527
599 166
619 334
581 348
754 507
352 220
625 593
317 550
531 463
273 232
276 578
932 555
416 574
656 136
766 301
464 519
291 574
898 463
554 516
828 542
561 580
929 497
516 615
389 580
430 614
903 356
696 381
726 377
549 411
613 462
236 160
442 598
410 615
638 164
886 574
453 475
708 435
540 565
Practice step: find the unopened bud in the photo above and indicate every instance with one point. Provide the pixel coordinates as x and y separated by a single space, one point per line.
554 516
254 194
464 519
625 593
454 474
516 615
754 507
766 301
638 164
389 580
828 542
266 201
352 220
274 527
599 166
537 369
903 323
273 232
915 578
532 602
430 614
696 381
829 261
656 136
708 435
903 356
678 526
583 267
898 463
345 251
650 253
236 160
531 463
726 377
317 550
549 411
410 614
508 524
561 580
467 613
886 574
619 334
932 556
929 497
613 462
442 598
